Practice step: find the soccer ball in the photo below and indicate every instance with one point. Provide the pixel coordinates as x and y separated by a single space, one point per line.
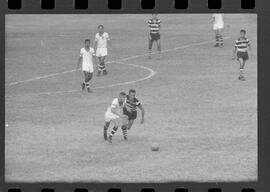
154 147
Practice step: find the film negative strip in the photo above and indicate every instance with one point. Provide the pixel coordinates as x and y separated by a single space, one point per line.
135 95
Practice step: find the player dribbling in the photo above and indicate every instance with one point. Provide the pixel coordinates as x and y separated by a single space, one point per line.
114 115
101 48
241 50
130 110
86 59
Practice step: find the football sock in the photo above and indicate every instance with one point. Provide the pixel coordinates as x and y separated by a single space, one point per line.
241 72
113 131
124 130
217 39
220 39
104 66
87 84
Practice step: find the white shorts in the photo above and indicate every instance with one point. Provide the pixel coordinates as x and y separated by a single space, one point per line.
101 52
88 68
114 119
218 26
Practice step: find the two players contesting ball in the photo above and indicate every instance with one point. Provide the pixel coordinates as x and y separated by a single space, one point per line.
123 110
122 113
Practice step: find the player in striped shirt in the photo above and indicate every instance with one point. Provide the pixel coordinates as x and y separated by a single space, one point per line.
241 47
154 25
130 110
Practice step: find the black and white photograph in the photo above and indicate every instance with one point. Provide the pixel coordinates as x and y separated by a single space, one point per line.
131 98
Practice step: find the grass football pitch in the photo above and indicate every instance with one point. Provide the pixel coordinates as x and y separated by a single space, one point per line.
202 117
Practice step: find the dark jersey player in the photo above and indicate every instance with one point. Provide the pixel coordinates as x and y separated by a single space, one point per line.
241 47
130 110
154 25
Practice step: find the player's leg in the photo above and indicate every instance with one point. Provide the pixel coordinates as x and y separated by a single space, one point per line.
125 124
130 123
159 47
105 129
241 70
87 81
124 127
83 83
99 66
216 38
103 65
116 123
220 37
150 45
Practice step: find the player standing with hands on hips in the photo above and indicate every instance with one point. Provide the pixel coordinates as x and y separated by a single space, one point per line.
241 50
102 40
86 59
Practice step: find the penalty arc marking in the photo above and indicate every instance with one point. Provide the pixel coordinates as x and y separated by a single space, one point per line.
119 61
150 75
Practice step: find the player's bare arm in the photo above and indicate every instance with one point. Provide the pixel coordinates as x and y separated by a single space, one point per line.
142 110
249 48
212 19
95 46
109 43
234 52
79 62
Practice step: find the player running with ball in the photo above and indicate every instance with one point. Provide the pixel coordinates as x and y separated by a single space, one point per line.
241 50
86 60
114 115
130 110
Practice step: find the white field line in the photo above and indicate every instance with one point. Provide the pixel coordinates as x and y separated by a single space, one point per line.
150 75
113 61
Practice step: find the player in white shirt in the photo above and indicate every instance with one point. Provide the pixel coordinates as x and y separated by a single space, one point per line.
102 40
86 60
114 115
218 26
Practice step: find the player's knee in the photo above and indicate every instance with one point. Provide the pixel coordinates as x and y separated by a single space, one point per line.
115 128
107 124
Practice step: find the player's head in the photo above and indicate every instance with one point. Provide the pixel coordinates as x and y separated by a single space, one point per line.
100 28
154 15
122 97
87 42
131 94
243 32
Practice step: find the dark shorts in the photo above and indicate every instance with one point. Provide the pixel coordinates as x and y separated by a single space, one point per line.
154 36
131 115
242 55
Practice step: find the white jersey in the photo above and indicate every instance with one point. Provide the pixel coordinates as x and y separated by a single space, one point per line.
87 56
109 115
218 21
102 40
